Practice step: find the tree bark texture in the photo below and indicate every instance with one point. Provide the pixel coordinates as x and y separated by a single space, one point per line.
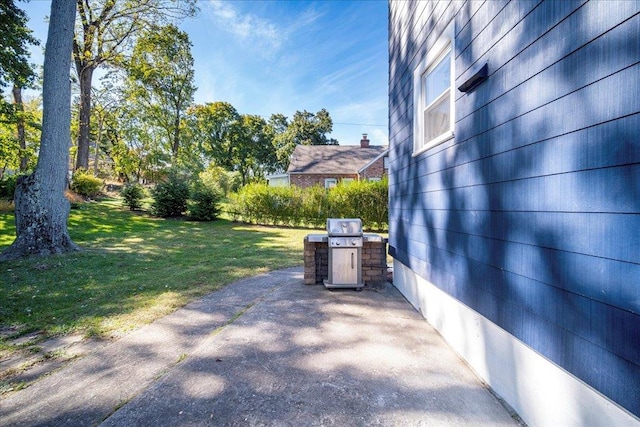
17 100
176 137
97 147
40 205
85 73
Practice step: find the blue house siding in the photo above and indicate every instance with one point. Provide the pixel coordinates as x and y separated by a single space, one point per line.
530 215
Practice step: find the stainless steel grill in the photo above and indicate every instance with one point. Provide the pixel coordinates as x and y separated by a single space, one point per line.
345 253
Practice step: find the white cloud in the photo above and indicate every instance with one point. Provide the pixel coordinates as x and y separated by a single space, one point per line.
337 79
261 35
379 136
251 29
360 112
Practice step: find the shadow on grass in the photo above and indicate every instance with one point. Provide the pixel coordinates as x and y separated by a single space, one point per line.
134 269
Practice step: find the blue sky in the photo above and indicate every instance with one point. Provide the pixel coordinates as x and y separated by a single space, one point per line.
268 57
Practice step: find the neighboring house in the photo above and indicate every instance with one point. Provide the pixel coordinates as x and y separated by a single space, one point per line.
514 206
327 165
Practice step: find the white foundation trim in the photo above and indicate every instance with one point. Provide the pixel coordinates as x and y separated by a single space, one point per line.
542 393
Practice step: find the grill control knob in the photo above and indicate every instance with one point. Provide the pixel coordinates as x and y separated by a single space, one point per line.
337 242
354 242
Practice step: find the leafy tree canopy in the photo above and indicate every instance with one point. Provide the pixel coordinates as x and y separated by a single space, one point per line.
242 143
305 129
105 32
161 79
15 38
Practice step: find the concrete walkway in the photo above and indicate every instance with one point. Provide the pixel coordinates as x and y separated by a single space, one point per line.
268 351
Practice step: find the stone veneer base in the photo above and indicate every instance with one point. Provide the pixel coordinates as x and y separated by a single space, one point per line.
316 259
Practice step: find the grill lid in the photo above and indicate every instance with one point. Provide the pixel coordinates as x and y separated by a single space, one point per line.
344 226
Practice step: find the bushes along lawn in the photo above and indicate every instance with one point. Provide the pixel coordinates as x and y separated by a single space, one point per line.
261 204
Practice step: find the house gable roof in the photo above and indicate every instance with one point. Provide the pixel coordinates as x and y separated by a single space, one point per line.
372 161
332 159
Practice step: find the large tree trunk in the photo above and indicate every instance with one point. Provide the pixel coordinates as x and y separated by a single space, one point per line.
17 100
85 74
41 208
97 149
176 138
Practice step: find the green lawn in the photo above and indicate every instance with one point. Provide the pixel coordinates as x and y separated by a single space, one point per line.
133 269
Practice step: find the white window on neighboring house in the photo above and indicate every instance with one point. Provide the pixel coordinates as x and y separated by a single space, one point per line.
374 178
433 95
347 180
385 163
330 182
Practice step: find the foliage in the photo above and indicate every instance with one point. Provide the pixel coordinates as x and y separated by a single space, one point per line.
259 203
15 37
85 184
161 81
135 269
235 142
106 115
9 148
255 154
270 205
216 177
105 31
203 204
305 129
12 155
367 200
315 206
170 197
215 127
132 195
134 148
8 187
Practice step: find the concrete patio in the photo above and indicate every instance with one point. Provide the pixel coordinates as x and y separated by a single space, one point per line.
269 350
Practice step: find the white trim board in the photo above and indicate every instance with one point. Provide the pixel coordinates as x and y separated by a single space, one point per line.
542 393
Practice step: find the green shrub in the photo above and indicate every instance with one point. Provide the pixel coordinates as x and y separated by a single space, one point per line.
339 201
315 206
283 205
133 195
250 203
262 204
217 177
367 200
204 202
376 204
8 187
170 197
85 184
235 207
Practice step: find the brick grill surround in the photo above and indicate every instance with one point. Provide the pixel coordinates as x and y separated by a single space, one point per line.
316 259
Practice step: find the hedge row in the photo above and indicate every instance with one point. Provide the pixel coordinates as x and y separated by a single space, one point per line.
261 204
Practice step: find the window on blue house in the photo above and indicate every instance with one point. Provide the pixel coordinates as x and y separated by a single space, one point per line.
434 95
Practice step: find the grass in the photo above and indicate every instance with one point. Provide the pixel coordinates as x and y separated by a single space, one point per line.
134 269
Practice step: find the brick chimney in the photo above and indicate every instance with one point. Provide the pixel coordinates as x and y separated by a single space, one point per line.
364 142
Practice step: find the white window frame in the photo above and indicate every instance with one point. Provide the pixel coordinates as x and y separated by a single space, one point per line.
443 46
330 183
